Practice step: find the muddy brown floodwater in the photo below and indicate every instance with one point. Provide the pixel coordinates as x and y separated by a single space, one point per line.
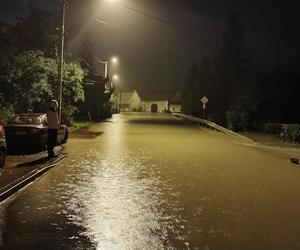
154 182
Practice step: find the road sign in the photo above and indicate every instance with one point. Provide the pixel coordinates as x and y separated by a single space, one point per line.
204 100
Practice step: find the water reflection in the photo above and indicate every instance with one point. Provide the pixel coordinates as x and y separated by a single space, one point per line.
118 203
168 188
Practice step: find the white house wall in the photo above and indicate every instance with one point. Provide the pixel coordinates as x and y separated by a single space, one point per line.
162 106
175 108
135 103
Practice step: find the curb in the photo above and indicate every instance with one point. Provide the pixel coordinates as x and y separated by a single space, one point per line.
23 181
211 125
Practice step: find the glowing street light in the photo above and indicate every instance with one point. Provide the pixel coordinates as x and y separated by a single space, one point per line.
113 60
115 77
61 60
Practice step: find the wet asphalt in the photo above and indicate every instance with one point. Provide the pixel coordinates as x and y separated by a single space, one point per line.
151 181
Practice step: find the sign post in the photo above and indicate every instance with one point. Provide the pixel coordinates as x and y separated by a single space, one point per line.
204 100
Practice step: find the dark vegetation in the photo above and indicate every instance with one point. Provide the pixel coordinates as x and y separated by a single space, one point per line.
29 70
242 97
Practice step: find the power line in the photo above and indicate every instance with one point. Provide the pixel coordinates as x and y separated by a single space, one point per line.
174 25
164 21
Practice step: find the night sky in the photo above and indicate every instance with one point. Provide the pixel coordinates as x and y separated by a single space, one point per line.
154 54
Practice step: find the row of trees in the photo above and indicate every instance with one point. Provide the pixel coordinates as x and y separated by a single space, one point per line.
29 68
240 96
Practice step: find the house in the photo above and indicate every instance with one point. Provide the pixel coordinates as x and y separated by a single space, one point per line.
175 101
155 101
127 101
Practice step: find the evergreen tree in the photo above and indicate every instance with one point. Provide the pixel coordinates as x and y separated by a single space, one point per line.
188 90
36 31
233 61
206 87
30 79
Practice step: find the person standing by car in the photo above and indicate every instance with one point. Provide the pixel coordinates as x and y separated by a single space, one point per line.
2 147
53 125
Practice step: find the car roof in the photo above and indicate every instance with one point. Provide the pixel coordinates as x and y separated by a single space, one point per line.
31 114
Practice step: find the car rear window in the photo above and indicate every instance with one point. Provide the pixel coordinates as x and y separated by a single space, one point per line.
26 119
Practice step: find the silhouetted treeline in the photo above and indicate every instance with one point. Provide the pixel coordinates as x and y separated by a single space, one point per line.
240 97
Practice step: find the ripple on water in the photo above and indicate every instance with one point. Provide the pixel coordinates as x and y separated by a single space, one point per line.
118 201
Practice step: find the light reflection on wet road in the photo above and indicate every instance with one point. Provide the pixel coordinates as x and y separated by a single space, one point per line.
152 182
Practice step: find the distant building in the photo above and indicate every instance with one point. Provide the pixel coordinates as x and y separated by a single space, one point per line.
127 101
175 101
157 101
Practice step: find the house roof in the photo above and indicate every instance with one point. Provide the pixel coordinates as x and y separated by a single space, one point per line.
124 96
175 98
156 95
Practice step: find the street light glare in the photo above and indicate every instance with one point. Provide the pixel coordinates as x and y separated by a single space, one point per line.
115 77
114 59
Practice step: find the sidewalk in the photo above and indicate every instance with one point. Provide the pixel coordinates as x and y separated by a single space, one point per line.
19 170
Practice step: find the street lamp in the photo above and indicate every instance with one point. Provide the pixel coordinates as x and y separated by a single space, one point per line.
61 63
113 60
115 77
61 59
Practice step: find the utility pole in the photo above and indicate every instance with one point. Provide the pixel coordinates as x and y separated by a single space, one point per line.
61 59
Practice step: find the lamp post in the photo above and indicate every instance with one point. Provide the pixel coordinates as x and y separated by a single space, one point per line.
105 67
61 59
113 60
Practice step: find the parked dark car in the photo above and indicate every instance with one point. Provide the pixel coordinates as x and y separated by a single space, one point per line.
29 131
2 147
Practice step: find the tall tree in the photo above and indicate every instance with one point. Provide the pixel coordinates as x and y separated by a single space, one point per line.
199 83
206 87
36 31
29 82
189 88
233 61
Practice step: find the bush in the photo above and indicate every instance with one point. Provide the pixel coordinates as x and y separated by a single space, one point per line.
240 121
233 121
291 133
273 128
6 111
287 132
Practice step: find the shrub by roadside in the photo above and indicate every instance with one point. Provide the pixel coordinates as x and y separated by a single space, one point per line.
287 132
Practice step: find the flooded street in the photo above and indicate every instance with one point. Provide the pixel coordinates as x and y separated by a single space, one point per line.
143 181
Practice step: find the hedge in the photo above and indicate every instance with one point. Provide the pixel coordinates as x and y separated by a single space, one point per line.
287 132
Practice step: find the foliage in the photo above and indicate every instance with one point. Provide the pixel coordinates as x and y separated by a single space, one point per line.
245 102
6 111
291 133
72 90
26 81
232 62
37 31
188 91
225 81
233 120
198 84
30 81
273 128
287 132
28 66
